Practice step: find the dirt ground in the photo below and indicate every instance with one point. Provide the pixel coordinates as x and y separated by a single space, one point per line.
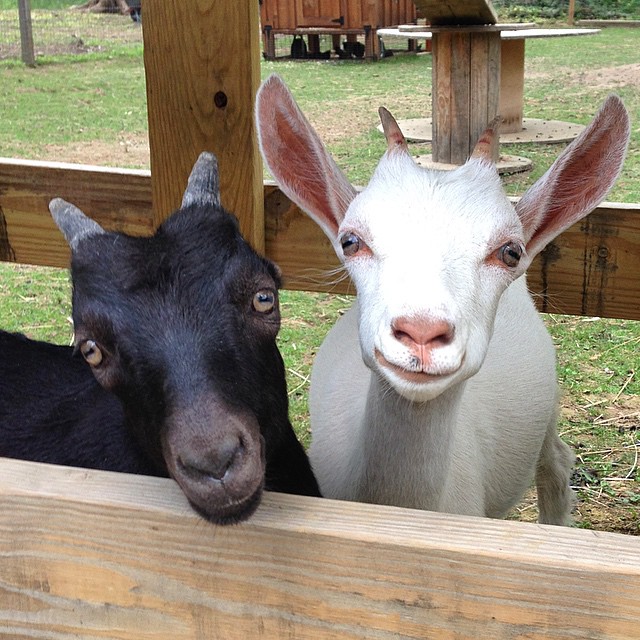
130 151
628 74
610 503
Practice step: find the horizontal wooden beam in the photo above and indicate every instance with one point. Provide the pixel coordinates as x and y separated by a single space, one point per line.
117 198
591 269
88 554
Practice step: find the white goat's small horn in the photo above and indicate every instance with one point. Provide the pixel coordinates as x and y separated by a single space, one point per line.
392 132
203 186
487 146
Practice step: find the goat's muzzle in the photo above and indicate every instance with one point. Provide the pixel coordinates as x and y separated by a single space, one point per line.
216 454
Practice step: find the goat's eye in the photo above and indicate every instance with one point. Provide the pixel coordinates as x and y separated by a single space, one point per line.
264 301
510 254
91 352
351 244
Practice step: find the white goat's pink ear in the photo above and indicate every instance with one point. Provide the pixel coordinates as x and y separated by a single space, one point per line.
298 160
578 180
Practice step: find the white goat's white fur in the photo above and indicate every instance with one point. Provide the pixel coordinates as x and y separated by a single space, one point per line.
437 390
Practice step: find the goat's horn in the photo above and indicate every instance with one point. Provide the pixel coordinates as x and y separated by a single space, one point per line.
203 186
74 224
487 146
392 132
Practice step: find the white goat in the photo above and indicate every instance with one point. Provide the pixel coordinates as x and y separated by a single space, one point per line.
438 389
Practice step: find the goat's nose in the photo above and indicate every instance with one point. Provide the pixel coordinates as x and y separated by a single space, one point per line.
216 462
421 335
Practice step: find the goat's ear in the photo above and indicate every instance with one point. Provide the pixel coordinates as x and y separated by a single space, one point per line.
578 180
203 187
298 160
74 224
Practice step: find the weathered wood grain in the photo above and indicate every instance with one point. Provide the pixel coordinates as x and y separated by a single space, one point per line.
484 92
591 269
442 99
88 554
466 73
453 12
511 85
461 98
201 84
119 199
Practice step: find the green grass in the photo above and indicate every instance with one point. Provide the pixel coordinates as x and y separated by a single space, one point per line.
75 102
36 301
11 5
528 10
100 101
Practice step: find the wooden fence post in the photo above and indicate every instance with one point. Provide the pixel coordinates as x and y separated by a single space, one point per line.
466 84
202 62
26 33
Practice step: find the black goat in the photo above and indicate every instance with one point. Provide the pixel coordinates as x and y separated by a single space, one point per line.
179 330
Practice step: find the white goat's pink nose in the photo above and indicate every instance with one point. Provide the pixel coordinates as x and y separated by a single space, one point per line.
422 335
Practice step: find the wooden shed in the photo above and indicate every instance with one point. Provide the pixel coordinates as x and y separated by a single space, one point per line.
346 19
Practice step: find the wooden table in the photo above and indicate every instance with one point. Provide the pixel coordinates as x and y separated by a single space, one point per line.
515 128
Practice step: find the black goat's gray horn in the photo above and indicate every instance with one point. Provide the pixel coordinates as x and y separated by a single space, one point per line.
204 184
74 224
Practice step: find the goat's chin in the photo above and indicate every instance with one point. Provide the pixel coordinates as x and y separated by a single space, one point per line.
417 386
420 392
232 513
215 502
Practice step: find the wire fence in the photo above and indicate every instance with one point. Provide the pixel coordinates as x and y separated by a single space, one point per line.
65 30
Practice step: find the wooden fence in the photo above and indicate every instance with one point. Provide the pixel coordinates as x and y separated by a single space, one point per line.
88 554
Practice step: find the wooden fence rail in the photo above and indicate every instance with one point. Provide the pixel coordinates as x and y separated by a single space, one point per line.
592 269
89 554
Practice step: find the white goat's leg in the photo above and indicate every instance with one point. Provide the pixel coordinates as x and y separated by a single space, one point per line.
553 474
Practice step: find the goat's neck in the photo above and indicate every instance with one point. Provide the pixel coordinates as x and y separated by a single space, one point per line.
407 446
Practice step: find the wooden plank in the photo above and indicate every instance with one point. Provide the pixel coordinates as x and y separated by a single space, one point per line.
453 12
315 13
494 66
294 240
88 554
511 85
591 269
460 112
353 14
201 84
118 199
484 82
286 13
441 83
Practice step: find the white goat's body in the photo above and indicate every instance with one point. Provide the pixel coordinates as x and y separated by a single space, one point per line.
371 444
